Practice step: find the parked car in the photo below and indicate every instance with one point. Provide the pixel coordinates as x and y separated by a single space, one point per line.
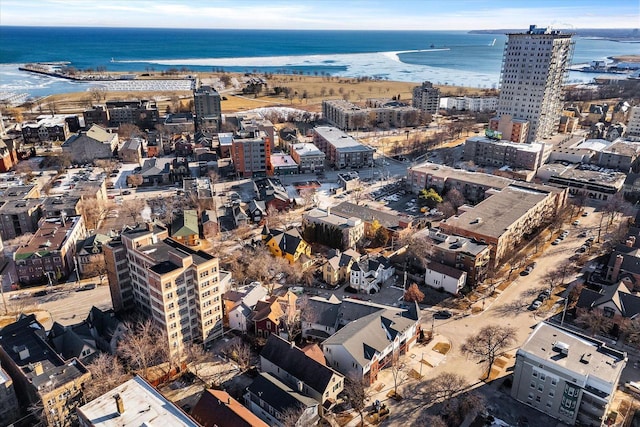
87 287
591 239
442 314
582 249
583 234
556 242
576 223
528 269
126 192
535 305
543 296
585 213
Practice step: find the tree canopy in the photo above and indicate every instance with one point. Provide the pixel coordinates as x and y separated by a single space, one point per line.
429 198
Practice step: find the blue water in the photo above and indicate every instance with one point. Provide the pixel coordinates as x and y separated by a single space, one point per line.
444 57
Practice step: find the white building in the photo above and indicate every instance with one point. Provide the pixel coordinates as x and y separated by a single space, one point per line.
533 72
134 403
442 276
368 274
633 126
468 103
567 376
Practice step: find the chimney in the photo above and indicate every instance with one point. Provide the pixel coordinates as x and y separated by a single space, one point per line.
328 210
119 404
631 241
37 368
616 268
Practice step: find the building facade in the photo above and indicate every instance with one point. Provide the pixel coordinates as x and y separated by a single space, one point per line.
251 154
9 407
534 69
341 150
486 151
426 98
176 286
206 101
567 376
308 157
50 254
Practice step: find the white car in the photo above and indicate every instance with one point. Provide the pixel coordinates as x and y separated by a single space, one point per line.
556 242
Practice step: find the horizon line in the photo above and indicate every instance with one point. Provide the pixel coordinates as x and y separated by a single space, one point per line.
306 29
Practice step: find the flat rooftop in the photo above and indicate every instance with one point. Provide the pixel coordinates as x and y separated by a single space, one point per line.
494 215
534 147
282 161
446 172
51 236
340 140
602 362
307 149
586 173
143 406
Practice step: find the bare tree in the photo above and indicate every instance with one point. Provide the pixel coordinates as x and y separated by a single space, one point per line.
487 345
97 267
107 165
240 352
594 320
291 416
127 130
442 387
196 357
92 211
106 373
143 346
630 331
133 209
355 391
135 180
426 419
552 278
398 370
414 294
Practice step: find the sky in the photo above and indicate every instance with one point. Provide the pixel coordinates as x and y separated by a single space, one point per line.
324 14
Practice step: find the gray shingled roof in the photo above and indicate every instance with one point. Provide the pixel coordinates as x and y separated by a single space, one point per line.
292 360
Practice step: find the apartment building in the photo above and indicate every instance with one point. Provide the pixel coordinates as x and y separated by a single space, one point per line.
179 288
335 231
487 151
469 103
46 128
633 126
472 185
426 97
143 113
18 217
507 218
96 115
206 102
40 376
341 150
345 115
49 255
567 376
308 157
534 69
251 153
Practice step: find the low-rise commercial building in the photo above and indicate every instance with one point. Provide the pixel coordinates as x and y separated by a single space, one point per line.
592 181
341 150
567 376
308 157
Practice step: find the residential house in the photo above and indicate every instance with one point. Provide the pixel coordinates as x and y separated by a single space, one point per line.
288 244
9 407
320 318
369 344
292 366
270 316
272 193
156 171
271 400
131 151
49 254
256 210
624 263
133 403
337 269
89 257
441 276
106 329
337 232
393 223
239 304
40 376
95 143
216 408
185 228
370 272
210 225
567 376
74 341
616 301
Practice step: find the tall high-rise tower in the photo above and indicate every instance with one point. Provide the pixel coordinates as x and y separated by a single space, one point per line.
534 68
